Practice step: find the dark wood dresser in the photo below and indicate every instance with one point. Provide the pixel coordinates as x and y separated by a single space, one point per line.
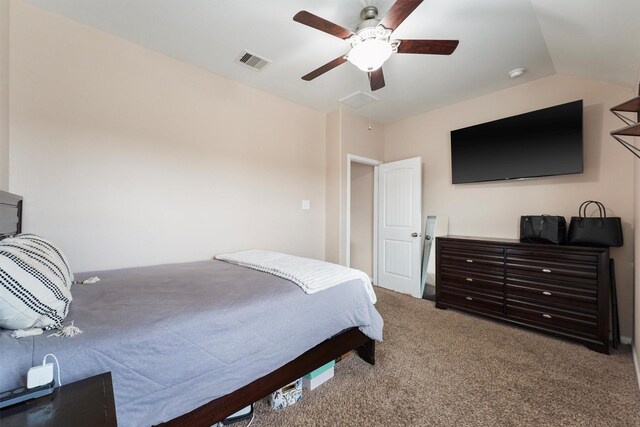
562 290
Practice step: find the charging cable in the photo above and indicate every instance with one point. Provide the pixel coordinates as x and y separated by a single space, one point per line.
252 417
44 361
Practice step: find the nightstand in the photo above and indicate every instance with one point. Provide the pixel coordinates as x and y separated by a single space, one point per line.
88 402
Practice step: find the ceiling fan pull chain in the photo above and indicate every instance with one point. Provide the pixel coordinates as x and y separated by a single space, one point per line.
370 113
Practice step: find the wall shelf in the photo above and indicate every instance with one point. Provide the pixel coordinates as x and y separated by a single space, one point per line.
633 127
632 106
632 130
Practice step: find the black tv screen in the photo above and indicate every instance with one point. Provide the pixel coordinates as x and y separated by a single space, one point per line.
540 143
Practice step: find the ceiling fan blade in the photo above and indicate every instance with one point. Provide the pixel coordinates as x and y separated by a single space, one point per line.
376 79
431 47
326 67
322 24
399 12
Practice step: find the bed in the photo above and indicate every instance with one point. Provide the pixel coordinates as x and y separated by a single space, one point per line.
191 343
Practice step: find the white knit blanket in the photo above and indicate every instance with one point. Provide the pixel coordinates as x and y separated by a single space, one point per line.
310 274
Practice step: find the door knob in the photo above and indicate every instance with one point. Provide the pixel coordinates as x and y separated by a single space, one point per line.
415 234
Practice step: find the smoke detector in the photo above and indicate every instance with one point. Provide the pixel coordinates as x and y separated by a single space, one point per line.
516 72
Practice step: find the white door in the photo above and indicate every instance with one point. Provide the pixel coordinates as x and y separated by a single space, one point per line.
399 231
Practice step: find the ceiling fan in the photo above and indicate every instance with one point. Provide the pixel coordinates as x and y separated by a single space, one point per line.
371 43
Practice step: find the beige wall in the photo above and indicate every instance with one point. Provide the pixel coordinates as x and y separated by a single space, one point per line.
347 133
494 209
332 220
363 138
4 94
636 305
127 157
361 244
636 294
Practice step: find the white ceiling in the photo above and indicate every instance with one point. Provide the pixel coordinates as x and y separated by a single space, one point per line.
598 39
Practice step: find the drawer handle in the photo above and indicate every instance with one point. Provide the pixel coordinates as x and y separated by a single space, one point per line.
548 316
469 279
469 298
546 293
469 260
546 270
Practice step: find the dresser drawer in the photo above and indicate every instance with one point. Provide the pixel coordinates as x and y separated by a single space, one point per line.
473 261
570 297
472 301
489 250
566 321
553 255
560 270
473 281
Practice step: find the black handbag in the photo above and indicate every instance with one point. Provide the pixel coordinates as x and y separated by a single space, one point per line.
543 229
595 231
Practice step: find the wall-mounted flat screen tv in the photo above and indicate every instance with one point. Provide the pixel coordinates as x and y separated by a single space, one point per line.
540 143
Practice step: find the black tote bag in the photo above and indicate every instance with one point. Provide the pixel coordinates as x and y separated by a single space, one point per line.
595 231
543 229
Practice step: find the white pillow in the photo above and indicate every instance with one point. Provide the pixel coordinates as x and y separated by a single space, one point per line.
35 282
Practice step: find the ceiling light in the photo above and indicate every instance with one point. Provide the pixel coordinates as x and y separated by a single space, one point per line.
370 54
516 72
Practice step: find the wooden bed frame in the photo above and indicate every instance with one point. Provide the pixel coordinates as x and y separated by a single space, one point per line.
220 408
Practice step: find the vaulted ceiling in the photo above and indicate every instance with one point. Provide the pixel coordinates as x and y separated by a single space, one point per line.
597 39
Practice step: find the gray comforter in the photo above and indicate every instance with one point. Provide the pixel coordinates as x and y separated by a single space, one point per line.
177 336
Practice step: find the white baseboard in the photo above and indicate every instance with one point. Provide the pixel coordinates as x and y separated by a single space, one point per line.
625 340
635 364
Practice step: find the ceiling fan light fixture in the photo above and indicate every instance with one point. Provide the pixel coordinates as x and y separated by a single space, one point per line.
370 54
371 43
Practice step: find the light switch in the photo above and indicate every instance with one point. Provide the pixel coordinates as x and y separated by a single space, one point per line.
306 205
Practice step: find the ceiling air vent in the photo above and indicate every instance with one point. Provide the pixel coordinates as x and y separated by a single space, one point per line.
358 99
252 61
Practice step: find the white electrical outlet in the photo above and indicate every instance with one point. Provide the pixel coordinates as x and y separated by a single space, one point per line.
40 375
306 204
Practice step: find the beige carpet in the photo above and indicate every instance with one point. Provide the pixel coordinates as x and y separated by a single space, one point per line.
440 367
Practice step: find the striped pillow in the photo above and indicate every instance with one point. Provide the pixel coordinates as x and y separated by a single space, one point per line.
35 282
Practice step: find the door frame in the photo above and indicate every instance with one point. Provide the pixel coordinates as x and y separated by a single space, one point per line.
347 239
